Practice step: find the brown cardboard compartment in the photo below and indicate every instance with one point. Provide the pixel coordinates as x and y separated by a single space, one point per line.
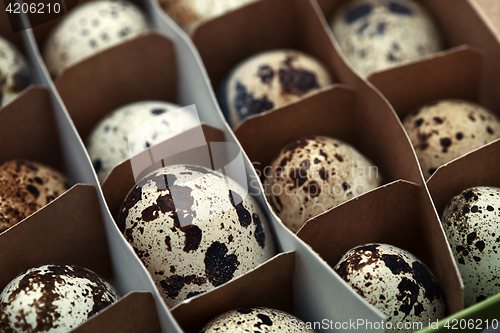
272 24
338 113
455 73
477 168
269 285
121 179
70 230
28 129
143 68
117 186
460 24
400 214
42 31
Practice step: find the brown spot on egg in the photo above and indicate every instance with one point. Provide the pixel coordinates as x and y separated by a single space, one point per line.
296 81
424 278
313 189
357 13
408 295
323 174
260 235
445 143
396 264
173 284
266 74
243 214
219 267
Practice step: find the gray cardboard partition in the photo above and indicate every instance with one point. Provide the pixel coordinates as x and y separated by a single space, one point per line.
319 293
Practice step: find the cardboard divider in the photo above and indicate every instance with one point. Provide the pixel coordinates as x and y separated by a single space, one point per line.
119 317
334 112
121 179
455 73
264 25
143 68
477 168
460 24
399 214
28 129
70 230
269 285
67 230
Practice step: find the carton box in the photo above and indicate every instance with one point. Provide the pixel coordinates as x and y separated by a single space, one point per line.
318 292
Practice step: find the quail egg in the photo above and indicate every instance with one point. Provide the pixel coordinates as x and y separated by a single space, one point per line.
188 14
90 28
444 130
14 72
111 142
471 221
313 174
378 34
269 80
194 229
25 187
395 282
256 318
53 299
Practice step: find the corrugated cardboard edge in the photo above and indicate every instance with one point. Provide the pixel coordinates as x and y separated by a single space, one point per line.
268 285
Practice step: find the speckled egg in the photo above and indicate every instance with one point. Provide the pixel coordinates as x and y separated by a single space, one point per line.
194 230
25 187
188 14
256 319
14 72
471 221
269 80
90 28
378 34
444 130
313 174
53 299
395 282
111 142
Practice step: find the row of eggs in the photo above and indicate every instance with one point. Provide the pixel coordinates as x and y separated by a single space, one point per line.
419 121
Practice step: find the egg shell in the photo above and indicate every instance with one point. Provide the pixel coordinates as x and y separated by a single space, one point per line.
53 299
256 318
393 281
269 80
313 174
193 232
14 72
25 187
110 142
471 221
444 130
378 34
90 28
188 14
